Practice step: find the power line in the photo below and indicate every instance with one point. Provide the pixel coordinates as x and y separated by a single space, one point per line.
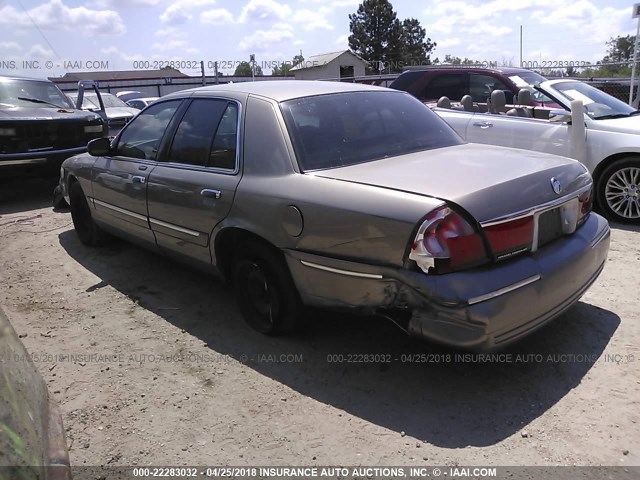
39 31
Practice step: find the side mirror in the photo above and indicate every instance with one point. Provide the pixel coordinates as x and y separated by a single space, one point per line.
99 147
560 116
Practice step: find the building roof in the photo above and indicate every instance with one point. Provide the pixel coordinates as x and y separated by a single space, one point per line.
322 59
123 75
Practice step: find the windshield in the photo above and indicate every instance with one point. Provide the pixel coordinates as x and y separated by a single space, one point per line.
527 80
342 129
598 104
32 93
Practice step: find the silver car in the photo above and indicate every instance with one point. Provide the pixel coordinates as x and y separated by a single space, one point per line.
586 124
346 196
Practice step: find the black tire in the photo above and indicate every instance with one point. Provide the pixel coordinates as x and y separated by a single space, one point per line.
58 199
88 232
264 290
618 191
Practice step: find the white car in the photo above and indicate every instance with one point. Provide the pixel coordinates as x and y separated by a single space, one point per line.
589 125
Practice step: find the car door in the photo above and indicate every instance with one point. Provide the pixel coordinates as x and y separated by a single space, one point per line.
519 132
192 189
458 119
119 181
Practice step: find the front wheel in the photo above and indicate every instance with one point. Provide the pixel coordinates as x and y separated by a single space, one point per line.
265 292
618 191
88 231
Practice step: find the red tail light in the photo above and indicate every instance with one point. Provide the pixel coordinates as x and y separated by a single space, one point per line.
509 238
585 202
446 242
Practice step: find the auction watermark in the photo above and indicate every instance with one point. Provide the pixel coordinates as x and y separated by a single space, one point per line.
140 358
290 472
51 65
466 358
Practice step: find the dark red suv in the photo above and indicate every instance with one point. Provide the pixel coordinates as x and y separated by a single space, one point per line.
430 83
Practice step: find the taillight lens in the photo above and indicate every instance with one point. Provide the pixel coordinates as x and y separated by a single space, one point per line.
585 202
445 241
509 238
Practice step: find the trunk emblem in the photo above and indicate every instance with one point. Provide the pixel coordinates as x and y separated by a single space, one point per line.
556 185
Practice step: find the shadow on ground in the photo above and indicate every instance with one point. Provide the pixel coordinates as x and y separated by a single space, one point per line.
21 194
445 402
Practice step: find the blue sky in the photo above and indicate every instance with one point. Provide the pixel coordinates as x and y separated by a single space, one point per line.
127 32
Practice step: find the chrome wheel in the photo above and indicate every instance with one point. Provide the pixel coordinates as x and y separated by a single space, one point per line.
622 192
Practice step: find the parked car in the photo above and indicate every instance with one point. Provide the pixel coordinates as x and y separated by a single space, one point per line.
429 83
39 127
602 132
32 439
129 94
348 196
141 103
116 111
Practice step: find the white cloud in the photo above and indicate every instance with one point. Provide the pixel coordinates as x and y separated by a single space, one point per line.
171 31
37 51
119 4
449 42
55 15
179 12
10 46
312 19
216 16
262 40
343 40
170 45
264 11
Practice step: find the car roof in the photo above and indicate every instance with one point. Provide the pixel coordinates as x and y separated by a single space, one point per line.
282 90
30 79
473 68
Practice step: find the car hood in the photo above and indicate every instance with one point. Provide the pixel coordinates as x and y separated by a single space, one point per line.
487 181
35 113
121 112
620 125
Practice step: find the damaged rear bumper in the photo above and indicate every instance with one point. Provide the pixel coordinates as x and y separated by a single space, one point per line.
479 309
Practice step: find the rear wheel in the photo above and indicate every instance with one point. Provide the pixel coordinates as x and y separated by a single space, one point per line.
87 230
265 292
619 191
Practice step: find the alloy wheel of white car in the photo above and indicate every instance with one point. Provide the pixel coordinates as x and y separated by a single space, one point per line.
621 192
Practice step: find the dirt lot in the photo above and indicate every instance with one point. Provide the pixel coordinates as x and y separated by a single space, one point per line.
152 365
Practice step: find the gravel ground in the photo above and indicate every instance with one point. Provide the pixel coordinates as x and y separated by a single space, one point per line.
152 364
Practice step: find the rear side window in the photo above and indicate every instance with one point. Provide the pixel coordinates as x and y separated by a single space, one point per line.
452 85
481 86
207 135
348 128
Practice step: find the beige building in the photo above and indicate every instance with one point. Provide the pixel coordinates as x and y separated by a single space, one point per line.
335 65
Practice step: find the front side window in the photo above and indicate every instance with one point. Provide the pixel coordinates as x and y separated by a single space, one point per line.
206 135
343 129
452 85
141 137
481 86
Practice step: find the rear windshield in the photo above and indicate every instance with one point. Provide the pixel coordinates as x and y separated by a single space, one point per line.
343 129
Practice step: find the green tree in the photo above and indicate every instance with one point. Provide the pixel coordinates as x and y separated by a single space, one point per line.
415 49
380 38
244 69
284 67
374 32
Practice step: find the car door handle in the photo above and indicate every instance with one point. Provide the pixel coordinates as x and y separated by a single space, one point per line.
483 124
210 193
142 168
137 179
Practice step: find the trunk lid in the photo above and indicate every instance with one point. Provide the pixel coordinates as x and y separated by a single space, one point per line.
487 181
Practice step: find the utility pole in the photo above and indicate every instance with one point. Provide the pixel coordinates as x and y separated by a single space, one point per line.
635 14
204 78
520 46
252 60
